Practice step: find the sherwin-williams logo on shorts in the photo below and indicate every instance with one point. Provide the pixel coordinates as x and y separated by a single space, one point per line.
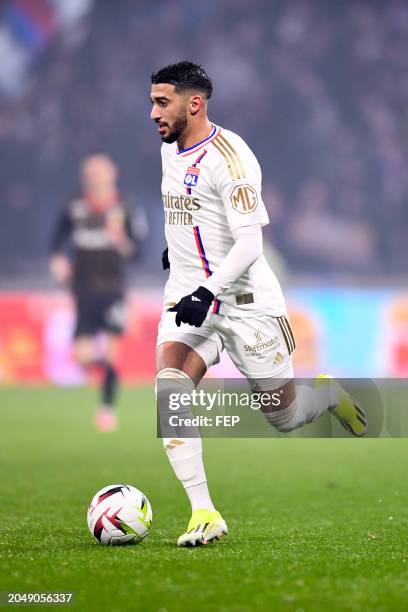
244 199
262 347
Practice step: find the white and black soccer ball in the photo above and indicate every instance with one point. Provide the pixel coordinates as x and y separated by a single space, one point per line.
119 514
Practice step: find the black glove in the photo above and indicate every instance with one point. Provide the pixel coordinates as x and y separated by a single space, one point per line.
192 309
165 259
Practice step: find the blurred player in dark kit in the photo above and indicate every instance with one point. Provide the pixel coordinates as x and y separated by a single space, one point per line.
221 292
97 228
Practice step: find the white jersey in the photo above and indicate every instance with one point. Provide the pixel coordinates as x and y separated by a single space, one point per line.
208 190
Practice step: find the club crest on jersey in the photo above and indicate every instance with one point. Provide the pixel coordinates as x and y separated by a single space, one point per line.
191 178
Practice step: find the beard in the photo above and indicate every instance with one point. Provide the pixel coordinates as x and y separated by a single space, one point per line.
178 128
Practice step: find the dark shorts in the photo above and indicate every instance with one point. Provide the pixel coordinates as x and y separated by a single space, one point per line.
99 314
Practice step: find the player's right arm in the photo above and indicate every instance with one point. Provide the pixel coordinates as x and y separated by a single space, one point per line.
59 263
165 254
165 259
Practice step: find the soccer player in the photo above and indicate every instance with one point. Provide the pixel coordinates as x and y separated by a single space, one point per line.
98 228
221 293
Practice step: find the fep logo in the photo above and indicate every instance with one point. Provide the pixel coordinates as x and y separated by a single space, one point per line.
244 199
191 178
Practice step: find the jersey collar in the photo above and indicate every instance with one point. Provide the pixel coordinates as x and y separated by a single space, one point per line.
198 144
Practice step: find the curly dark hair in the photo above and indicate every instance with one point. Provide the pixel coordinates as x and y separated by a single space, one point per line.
184 75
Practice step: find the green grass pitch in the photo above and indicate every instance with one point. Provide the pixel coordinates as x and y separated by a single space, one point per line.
314 524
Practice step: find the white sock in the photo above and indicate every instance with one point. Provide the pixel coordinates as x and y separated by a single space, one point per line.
186 459
308 406
199 497
184 454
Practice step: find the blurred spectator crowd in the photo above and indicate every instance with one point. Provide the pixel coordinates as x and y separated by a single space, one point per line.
319 89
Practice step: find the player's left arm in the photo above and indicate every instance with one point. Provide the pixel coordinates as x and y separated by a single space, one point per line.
193 309
131 241
122 234
248 246
239 184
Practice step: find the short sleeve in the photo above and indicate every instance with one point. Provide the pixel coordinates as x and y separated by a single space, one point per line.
239 183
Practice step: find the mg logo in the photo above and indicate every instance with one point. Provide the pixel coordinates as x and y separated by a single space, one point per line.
244 199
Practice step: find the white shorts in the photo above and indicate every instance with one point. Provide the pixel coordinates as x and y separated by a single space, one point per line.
260 347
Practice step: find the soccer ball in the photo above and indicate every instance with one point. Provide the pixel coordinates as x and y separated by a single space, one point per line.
119 514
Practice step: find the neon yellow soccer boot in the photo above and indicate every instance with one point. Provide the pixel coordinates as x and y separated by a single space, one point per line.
348 411
205 526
